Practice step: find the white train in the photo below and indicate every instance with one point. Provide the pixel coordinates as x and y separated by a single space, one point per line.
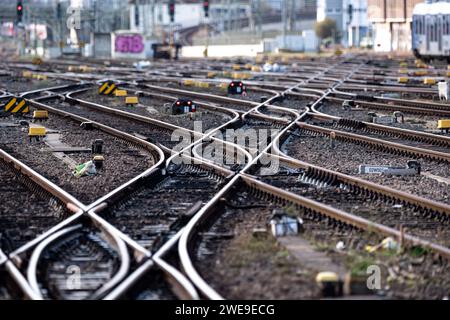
431 31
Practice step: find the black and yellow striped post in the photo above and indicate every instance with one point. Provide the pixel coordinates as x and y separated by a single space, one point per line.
16 106
107 88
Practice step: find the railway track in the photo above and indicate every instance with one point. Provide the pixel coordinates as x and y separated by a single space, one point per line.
392 104
143 128
422 140
67 145
201 229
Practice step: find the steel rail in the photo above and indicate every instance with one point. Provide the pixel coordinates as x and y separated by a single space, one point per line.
113 240
20 280
71 203
124 114
111 131
102 203
205 212
390 147
320 173
392 107
347 218
233 113
405 133
181 286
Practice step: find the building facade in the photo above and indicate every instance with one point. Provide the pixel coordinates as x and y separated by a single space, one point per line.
391 23
350 17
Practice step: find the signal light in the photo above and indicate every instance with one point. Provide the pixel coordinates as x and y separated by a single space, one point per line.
172 10
206 8
19 11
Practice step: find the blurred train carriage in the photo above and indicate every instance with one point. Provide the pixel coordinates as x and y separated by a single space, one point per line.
431 31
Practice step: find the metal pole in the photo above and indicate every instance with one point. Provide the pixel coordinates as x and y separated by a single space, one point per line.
153 18
259 17
35 36
284 19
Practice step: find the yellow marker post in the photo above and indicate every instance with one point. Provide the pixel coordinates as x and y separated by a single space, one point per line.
421 73
40 114
131 101
37 132
27 74
203 85
19 106
429 81
256 69
444 124
103 87
110 89
120 93
188 83
10 104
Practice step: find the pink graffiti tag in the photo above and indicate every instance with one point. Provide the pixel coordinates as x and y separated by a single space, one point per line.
129 43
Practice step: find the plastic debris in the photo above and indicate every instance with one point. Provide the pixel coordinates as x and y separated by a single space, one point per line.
283 225
85 169
340 246
273 68
141 64
387 244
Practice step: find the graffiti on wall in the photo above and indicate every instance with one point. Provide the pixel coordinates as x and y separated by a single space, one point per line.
129 43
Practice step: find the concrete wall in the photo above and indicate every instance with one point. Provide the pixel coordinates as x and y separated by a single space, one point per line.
219 51
128 45
102 45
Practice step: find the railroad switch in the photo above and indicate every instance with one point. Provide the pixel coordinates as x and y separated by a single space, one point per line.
330 284
385 120
97 147
131 101
413 167
237 87
36 133
40 115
